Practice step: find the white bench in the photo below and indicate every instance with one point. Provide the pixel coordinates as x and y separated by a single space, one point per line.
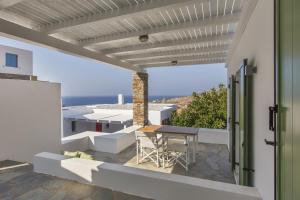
104 142
139 182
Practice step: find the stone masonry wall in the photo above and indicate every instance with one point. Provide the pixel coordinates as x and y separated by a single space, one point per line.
140 98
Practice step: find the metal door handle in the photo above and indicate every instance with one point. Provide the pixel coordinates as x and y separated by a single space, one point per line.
269 142
272 112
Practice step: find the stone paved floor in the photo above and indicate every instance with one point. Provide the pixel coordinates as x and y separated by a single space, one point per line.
212 162
19 182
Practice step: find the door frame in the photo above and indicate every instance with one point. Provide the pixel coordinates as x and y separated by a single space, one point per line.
276 101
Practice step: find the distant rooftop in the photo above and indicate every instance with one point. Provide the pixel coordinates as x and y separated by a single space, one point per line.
128 106
108 113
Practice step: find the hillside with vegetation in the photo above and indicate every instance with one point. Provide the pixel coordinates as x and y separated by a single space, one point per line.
201 110
182 101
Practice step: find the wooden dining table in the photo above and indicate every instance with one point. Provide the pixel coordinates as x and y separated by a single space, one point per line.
175 131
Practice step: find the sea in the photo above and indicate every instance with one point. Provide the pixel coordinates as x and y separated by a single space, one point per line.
90 100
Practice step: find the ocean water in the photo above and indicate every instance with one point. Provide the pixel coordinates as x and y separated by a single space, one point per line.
89 100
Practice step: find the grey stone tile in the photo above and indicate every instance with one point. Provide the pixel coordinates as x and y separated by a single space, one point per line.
101 193
58 196
21 182
36 194
8 163
4 177
212 162
123 196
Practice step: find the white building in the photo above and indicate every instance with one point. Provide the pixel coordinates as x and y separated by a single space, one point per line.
137 35
15 61
109 118
28 102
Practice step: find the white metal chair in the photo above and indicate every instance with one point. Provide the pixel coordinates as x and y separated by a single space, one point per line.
148 146
178 151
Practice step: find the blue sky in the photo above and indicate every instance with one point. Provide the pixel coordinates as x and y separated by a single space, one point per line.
84 77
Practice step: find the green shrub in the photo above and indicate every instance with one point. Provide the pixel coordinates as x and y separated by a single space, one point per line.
207 110
78 154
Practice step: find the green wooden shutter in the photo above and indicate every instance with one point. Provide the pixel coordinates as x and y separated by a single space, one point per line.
232 111
241 147
244 124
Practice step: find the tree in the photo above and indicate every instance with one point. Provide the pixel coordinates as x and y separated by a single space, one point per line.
207 110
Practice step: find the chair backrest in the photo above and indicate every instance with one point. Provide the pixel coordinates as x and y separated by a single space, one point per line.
148 140
177 139
178 143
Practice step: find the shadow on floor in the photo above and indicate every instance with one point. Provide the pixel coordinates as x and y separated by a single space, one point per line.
19 182
212 162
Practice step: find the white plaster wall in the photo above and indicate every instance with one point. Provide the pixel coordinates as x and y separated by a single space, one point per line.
140 182
67 127
257 44
113 111
24 61
213 136
112 127
82 126
100 141
80 143
154 117
117 141
30 119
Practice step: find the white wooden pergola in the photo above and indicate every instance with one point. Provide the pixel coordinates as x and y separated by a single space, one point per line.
132 34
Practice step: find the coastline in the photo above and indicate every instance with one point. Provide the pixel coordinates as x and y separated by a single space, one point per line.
89 100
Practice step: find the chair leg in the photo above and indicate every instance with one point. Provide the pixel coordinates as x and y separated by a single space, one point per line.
157 158
187 161
163 158
141 151
166 152
167 155
163 153
137 153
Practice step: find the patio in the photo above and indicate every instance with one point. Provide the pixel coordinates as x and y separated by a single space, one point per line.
212 162
134 35
18 181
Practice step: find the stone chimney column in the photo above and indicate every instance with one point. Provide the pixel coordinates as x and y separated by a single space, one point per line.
140 98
